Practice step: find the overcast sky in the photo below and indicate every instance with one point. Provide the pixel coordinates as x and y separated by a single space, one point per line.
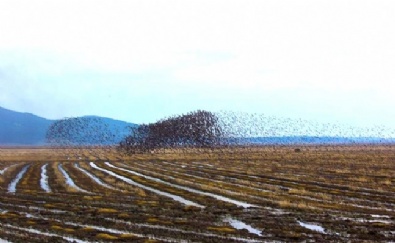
327 61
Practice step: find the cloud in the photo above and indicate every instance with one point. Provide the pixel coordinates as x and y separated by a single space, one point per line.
318 59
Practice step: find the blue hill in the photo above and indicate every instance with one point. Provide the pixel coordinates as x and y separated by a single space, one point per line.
290 140
17 128
26 129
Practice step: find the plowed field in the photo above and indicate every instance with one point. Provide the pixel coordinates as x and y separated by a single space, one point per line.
268 194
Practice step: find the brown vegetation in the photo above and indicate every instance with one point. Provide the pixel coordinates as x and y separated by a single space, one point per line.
347 190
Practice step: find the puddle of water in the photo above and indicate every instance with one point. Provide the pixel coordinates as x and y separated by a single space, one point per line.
218 197
12 186
237 224
312 227
166 194
44 179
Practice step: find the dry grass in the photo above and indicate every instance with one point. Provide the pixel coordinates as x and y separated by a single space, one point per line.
348 190
104 236
222 229
107 210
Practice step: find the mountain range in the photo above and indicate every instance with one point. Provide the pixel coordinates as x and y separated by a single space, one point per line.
26 129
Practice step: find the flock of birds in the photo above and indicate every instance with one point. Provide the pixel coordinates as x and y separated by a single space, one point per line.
80 131
199 129
204 129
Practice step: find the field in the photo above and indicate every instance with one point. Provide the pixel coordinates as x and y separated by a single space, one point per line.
265 194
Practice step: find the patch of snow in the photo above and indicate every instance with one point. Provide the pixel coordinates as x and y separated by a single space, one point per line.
34 231
383 221
312 227
276 211
193 183
57 211
93 177
44 179
5 169
4 241
367 207
224 238
218 197
129 181
237 224
12 185
380 216
202 164
119 231
207 176
100 228
69 181
209 179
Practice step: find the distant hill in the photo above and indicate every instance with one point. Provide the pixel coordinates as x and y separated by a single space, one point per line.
290 140
26 129
17 128
88 130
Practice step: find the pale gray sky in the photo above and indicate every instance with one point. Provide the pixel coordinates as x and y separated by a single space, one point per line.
138 61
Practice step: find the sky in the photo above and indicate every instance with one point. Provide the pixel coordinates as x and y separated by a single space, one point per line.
139 61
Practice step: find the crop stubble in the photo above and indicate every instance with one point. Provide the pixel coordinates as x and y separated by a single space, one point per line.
348 191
